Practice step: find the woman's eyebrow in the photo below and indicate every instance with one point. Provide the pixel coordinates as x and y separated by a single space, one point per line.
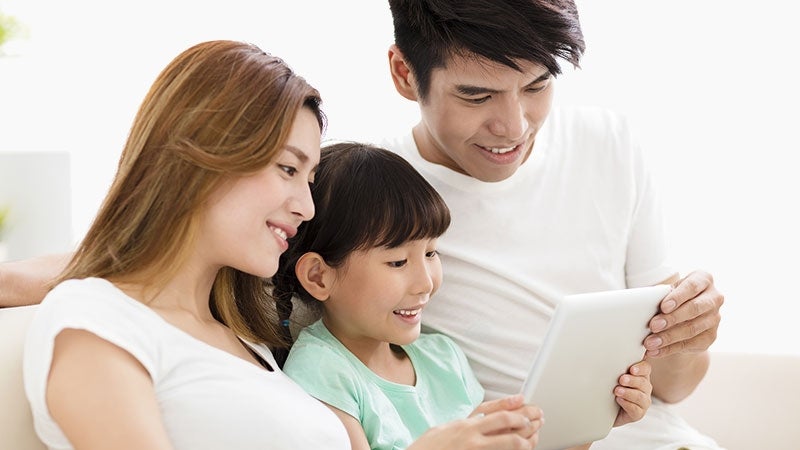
297 152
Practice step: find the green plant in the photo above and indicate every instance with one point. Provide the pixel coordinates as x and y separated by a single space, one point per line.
10 28
3 218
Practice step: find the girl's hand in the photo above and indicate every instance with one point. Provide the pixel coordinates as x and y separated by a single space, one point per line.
506 423
633 394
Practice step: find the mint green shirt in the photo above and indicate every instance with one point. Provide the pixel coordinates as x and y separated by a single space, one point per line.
392 415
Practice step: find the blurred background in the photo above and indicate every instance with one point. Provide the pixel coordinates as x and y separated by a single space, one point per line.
710 87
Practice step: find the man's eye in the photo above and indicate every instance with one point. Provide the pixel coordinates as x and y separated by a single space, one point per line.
400 263
477 101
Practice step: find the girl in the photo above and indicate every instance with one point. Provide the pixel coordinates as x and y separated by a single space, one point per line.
368 263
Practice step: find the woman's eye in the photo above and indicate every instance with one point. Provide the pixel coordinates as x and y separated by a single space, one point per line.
397 263
432 254
288 169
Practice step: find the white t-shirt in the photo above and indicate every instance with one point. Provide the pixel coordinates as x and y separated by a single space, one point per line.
580 215
209 399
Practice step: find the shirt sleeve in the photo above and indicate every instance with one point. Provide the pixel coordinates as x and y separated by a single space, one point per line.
77 305
325 374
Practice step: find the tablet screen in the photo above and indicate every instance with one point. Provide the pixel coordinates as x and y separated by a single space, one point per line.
592 339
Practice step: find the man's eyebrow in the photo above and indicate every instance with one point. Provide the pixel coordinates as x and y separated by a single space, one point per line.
470 90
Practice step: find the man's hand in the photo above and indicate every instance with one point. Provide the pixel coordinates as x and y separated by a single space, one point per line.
689 318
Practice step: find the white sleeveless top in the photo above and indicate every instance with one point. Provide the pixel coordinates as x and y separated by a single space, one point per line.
209 399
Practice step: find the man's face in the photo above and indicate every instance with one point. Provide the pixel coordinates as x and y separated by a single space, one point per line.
481 118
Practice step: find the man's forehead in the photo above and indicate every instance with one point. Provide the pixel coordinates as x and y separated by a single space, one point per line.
473 69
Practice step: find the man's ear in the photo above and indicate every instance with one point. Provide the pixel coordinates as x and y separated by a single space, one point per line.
403 78
314 275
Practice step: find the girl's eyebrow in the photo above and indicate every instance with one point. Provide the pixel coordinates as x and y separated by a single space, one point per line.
470 90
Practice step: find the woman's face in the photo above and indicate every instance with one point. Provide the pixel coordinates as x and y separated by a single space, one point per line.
250 218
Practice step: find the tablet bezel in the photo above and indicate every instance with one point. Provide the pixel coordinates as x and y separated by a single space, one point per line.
575 371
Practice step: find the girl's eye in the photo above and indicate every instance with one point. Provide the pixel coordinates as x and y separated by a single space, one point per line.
400 263
288 169
432 254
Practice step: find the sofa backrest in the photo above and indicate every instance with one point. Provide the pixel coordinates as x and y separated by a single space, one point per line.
16 422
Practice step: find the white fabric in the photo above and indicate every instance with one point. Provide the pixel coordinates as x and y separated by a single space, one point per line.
209 399
580 215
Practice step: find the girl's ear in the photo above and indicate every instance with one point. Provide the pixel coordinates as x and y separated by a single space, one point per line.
403 78
314 275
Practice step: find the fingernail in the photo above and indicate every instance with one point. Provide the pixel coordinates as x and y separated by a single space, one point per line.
669 305
659 324
653 342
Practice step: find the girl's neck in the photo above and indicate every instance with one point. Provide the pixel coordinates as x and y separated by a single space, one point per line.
388 361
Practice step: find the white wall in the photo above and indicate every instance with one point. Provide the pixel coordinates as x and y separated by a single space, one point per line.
711 87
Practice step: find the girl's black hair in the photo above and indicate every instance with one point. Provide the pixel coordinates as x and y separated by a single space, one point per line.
364 197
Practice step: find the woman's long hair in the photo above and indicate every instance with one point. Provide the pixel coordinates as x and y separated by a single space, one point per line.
219 110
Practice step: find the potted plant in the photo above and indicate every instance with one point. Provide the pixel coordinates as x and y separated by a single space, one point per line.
10 28
3 226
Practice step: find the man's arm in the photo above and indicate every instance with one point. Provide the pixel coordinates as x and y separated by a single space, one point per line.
681 334
25 282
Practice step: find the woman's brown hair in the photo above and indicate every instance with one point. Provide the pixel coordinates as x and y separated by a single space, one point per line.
220 109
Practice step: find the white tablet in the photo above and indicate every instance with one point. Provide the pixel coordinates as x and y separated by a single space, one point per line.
592 339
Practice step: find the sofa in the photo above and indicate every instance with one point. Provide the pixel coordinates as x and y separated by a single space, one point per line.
748 401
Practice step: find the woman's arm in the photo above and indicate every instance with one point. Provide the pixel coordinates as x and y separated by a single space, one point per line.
101 396
25 282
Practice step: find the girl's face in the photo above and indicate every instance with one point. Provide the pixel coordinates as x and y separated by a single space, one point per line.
378 295
250 218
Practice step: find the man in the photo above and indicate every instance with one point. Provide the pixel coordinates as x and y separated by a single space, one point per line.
545 202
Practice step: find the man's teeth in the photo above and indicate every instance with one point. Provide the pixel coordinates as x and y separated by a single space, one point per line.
407 312
500 150
279 232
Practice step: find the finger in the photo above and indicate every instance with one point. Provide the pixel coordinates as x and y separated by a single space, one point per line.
633 401
503 422
707 301
509 441
686 289
699 343
641 384
693 335
641 368
631 411
502 404
532 412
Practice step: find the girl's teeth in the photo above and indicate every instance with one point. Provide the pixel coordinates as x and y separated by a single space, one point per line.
407 312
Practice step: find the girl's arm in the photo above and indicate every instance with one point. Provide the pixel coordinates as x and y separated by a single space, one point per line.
358 439
101 396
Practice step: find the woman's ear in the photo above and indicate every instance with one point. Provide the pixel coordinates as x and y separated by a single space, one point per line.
314 275
403 78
